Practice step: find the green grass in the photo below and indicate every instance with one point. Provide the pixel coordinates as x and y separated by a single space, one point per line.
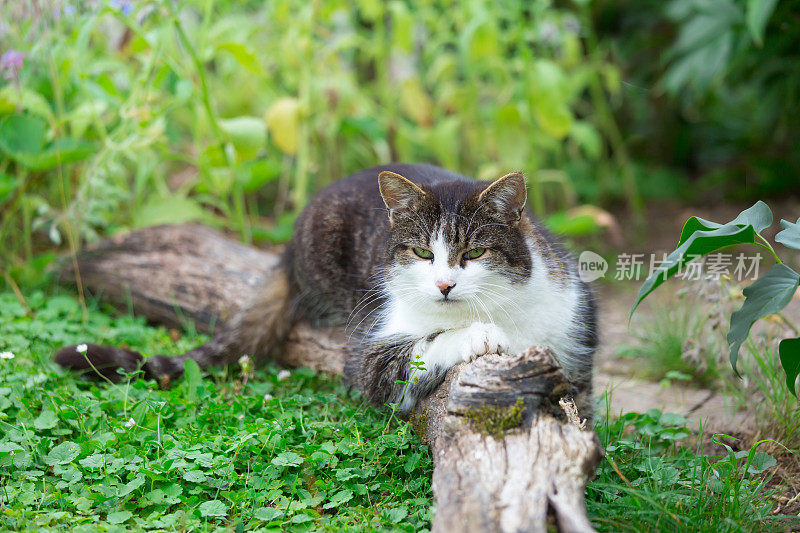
296 452
662 342
654 479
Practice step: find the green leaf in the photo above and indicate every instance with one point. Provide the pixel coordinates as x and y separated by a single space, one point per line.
397 514
759 215
46 420
96 460
14 98
700 237
8 184
62 454
343 496
549 99
415 102
513 145
555 119
673 419
193 377
195 476
301 518
22 135
254 174
789 352
6 447
287 459
213 508
132 485
248 135
757 16
588 138
764 297
480 39
171 210
281 232
402 27
761 461
61 153
243 56
267 514
119 517
790 235
698 244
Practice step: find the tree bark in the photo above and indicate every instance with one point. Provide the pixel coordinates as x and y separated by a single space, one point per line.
508 456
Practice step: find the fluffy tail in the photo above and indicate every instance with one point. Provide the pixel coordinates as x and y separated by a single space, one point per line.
257 329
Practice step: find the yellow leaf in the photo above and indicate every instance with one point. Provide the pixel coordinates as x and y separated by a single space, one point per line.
283 119
416 103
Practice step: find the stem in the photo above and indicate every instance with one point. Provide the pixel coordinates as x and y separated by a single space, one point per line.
18 293
237 194
73 248
607 122
767 246
206 98
240 208
300 192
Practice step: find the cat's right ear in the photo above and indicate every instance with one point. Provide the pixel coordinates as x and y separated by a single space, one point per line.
398 193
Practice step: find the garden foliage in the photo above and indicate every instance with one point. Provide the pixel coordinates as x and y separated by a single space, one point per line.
766 296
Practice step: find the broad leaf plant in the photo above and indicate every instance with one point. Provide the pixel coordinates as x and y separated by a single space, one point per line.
766 296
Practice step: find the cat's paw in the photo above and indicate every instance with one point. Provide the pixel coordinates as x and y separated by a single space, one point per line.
480 339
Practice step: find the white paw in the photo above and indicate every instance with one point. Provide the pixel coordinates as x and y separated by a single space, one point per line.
480 339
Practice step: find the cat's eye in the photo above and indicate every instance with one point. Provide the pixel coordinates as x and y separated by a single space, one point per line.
474 253
423 253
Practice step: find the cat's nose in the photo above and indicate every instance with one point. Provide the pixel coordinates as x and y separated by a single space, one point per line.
445 287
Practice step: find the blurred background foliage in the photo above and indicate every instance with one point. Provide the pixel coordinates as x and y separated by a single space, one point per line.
118 114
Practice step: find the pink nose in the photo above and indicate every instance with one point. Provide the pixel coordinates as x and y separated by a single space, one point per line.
445 286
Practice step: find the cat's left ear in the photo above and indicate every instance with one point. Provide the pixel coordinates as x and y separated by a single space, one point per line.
506 197
398 193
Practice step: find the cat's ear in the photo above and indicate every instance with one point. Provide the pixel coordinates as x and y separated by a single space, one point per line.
398 193
505 198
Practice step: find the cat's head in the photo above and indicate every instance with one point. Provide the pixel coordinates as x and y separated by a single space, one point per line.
457 243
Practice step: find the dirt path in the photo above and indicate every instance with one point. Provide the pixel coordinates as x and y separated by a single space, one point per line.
616 377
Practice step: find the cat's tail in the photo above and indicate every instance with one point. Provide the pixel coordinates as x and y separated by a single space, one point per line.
257 330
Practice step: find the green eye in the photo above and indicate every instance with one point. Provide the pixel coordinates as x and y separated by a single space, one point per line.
423 253
474 253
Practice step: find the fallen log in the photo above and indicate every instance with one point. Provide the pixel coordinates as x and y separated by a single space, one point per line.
510 453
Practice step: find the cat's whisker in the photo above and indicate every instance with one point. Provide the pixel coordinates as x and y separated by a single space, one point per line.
469 224
419 219
354 313
506 301
488 294
488 314
399 291
488 224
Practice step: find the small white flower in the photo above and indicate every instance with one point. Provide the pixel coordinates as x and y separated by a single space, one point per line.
283 375
81 348
268 397
6 355
131 422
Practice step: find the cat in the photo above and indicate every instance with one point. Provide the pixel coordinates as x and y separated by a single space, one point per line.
424 267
